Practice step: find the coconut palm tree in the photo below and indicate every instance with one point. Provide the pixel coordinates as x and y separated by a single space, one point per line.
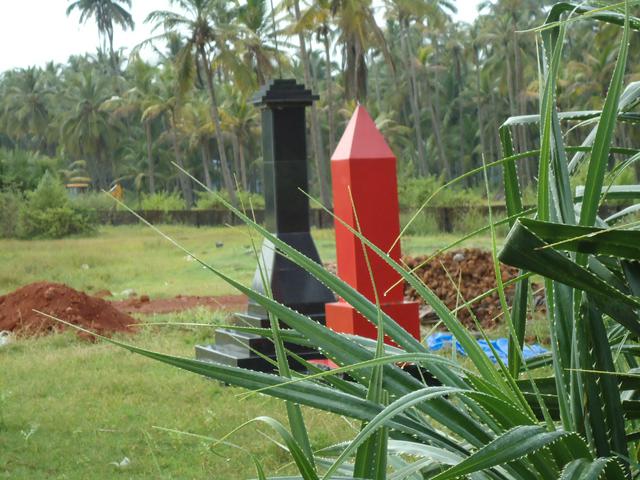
405 12
316 137
25 115
166 106
106 13
202 38
201 130
318 18
143 94
358 32
241 119
253 36
88 130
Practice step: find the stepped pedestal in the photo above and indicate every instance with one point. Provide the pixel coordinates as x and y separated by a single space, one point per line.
282 104
240 349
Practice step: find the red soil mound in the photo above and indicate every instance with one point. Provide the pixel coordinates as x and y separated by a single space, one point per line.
61 301
472 272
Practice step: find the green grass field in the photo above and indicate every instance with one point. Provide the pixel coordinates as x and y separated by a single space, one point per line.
72 409
135 257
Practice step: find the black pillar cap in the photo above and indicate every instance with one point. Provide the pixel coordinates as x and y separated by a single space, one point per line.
281 92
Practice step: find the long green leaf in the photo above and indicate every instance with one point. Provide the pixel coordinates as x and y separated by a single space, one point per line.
513 445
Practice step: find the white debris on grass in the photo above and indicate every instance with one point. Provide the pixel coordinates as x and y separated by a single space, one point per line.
125 462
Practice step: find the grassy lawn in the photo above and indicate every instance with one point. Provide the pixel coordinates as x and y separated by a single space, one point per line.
72 409
135 257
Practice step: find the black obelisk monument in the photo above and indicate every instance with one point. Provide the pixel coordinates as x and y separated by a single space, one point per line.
284 145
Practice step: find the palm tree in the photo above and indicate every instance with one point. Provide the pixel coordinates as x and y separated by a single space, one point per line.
318 17
241 119
405 12
25 114
167 106
133 102
253 37
316 137
87 130
359 32
500 29
203 37
200 129
106 13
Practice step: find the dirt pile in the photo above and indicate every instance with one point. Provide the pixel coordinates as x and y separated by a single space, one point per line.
61 301
472 272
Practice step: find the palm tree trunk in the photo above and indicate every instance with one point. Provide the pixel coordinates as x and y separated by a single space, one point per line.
330 106
185 182
479 111
235 147
204 151
100 174
495 120
423 168
226 174
150 166
243 169
360 76
459 167
519 83
112 55
437 131
376 83
315 126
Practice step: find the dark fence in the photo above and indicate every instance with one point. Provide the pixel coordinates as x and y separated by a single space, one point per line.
197 218
445 217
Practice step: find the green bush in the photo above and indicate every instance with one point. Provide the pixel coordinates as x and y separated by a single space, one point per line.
47 212
10 201
163 201
413 192
93 201
211 201
424 224
22 169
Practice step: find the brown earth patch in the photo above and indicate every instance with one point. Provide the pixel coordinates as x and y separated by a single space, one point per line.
17 311
459 276
144 304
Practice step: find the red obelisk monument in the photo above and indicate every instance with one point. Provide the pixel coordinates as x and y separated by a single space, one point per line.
364 164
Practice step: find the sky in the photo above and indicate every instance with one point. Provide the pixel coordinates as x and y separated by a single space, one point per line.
33 32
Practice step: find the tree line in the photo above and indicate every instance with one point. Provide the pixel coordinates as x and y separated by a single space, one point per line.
438 89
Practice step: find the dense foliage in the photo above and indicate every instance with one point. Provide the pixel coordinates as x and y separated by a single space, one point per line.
436 87
46 212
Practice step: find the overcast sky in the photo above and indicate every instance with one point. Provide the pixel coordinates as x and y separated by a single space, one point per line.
33 32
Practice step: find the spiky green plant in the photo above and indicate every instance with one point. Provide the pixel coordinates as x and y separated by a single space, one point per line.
486 421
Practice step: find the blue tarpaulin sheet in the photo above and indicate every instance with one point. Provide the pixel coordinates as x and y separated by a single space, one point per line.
438 341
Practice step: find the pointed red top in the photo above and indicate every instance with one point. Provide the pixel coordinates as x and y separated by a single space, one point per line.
362 139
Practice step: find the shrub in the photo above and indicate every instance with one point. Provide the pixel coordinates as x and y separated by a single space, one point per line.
163 201
93 201
10 202
47 212
22 169
211 201
413 192
424 224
